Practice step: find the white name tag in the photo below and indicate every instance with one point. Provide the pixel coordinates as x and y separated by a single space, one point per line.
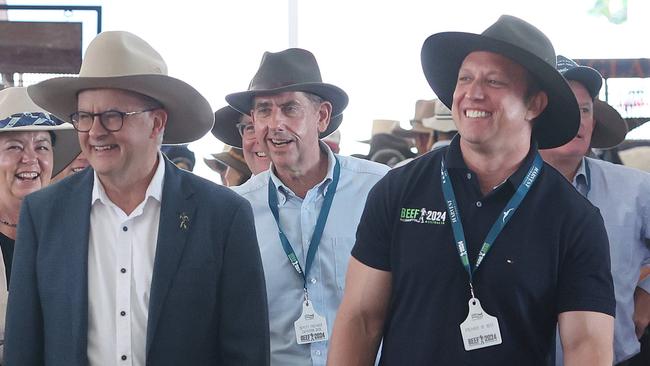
310 327
480 329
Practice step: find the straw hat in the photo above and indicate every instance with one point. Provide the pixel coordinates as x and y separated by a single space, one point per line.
122 60
19 113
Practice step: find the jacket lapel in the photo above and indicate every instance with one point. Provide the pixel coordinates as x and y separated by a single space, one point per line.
75 252
176 212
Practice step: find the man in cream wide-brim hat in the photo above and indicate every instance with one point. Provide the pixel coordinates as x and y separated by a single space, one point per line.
150 263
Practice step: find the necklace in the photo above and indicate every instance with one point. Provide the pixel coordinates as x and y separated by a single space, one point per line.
8 223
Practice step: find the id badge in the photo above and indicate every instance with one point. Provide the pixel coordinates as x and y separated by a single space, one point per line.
480 329
310 327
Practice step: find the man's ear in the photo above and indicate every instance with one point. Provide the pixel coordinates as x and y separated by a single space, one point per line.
536 105
159 122
324 116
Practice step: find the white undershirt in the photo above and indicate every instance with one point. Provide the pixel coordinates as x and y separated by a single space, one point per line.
121 253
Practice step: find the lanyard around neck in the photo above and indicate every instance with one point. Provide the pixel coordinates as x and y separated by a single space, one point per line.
318 230
499 224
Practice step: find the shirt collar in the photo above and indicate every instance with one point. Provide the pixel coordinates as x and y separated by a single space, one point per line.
454 160
284 193
580 180
154 189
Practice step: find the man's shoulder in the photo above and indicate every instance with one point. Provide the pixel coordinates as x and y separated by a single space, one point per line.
71 185
362 166
616 172
256 183
205 192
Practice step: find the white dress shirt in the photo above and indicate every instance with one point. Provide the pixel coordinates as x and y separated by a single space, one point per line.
121 253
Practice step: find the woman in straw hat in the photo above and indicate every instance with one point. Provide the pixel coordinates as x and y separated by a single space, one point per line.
34 145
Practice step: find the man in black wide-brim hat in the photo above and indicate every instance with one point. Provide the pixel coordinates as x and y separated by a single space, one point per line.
498 305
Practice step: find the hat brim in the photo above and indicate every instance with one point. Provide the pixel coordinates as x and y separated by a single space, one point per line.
225 126
417 129
243 101
443 53
189 115
215 165
610 128
230 161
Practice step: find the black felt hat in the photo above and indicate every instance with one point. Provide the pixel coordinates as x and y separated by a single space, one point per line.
443 53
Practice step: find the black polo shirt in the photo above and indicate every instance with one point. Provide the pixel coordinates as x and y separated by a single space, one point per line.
551 257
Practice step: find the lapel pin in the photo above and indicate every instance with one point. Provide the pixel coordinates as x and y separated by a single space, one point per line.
184 220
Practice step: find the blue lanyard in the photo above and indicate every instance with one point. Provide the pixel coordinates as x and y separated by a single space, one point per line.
499 224
318 230
588 177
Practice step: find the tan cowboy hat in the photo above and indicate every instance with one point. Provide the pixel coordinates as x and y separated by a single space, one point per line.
441 120
293 69
122 60
234 158
443 53
423 109
19 113
379 126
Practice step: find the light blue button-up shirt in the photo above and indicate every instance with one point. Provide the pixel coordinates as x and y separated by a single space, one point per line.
326 278
623 196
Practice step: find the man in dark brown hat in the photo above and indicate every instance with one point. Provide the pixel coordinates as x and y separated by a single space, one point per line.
473 253
621 194
307 206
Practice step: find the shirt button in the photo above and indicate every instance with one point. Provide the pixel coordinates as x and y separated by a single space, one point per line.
478 204
123 270
122 313
124 228
123 357
313 280
317 352
469 175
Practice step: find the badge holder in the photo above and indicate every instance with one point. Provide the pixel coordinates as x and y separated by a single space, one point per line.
310 327
480 329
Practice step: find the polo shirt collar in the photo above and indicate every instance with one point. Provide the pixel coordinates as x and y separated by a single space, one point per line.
454 160
285 193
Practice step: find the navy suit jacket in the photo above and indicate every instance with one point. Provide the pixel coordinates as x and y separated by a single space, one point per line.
208 301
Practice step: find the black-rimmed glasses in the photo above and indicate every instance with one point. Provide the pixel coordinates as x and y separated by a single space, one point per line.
246 130
111 120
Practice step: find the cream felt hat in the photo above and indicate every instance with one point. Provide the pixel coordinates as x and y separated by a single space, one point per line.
19 113
441 120
122 60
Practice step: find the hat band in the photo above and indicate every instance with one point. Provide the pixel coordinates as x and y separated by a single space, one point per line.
29 119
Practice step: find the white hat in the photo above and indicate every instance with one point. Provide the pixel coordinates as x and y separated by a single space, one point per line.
122 60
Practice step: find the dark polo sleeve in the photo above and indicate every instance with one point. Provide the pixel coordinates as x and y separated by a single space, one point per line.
585 278
244 323
372 246
24 323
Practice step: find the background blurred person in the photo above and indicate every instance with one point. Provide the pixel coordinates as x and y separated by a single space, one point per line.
180 155
623 196
34 145
77 165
